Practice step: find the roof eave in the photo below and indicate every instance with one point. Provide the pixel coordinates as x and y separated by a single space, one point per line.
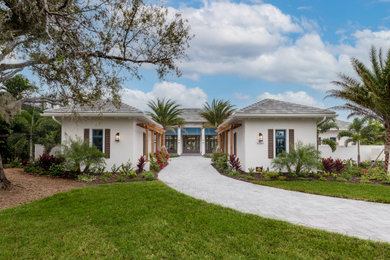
93 114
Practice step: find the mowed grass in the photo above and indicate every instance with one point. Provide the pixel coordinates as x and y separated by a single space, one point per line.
368 192
150 220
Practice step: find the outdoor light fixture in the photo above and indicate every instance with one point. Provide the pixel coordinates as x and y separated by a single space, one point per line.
260 138
117 137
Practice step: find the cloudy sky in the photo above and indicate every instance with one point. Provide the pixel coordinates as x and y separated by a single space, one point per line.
245 51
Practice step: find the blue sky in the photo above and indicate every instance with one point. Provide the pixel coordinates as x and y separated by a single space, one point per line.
244 51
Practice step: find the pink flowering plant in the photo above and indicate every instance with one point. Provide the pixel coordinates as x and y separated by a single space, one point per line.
158 160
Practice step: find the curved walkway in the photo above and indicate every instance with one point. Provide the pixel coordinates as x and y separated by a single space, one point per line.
194 176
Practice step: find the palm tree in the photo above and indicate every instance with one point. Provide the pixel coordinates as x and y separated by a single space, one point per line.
369 95
325 126
356 132
166 113
217 112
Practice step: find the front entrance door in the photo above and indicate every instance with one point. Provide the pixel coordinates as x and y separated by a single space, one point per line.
191 143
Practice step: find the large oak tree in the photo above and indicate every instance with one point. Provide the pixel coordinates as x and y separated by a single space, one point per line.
78 48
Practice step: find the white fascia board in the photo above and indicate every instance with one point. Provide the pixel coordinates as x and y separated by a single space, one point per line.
243 116
92 114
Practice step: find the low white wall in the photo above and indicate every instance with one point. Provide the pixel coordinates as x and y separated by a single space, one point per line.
367 152
39 150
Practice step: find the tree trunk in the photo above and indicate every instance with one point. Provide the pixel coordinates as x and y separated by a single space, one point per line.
31 138
4 183
387 148
358 158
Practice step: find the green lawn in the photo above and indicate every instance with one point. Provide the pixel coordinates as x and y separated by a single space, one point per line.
150 220
369 192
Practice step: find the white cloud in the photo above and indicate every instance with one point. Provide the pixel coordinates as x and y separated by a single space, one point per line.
186 97
258 40
241 96
300 97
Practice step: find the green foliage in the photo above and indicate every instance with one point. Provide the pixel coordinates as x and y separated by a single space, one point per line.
353 171
77 154
19 86
121 178
57 170
251 171
166 112
148 175
331 143
232 172
158 160
220 160
368 95
341 179
217 112
86 177
175 155
33 169
268 175
303 158
282 178
16 163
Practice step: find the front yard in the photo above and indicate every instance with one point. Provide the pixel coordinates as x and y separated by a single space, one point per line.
150 220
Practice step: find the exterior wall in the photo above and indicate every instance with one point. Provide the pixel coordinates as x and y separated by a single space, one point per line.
333 133
180 137
367 152
123 151
240 131
256 155
39 150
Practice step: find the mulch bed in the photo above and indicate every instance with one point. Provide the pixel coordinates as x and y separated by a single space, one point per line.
243 176
27 187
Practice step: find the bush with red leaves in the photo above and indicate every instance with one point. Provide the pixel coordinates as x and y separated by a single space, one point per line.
234 163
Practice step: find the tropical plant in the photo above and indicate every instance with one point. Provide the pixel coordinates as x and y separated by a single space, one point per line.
374 134
369 95
357 130
141 164
78 154
217 112
301 158
166 112
234 163
324 126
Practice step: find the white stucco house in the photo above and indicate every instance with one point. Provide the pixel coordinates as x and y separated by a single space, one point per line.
123 134
258 133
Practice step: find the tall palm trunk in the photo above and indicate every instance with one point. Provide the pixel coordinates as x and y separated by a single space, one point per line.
387 148
358 155
4 183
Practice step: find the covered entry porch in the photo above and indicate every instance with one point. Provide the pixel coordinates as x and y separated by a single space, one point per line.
191 140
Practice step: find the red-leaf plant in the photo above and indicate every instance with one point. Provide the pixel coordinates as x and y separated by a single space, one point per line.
141 164
234 163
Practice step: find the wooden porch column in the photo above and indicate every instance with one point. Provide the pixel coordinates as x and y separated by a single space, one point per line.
147 143
152 140
163 139
219 142
231 140
227 141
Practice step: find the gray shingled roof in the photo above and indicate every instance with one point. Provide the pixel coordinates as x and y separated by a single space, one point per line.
97 108
343 125
271 106
192 115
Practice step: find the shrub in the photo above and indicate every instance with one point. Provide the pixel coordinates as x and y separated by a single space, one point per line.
141 164
148 175
78 154
251 171
158 160
323 178
32 169
303 158
16 163
341 179
106 176
270 174
353 171
234 163
232 172
332 166
316 175
86 177
121 178
175 155
222 163
250 177
217 155
282 178
365 181
126 167
57 170
46 160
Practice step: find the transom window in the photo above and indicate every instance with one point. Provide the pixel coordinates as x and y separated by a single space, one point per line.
280 141
97 138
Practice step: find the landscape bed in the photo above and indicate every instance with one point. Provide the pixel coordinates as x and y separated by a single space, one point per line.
151 220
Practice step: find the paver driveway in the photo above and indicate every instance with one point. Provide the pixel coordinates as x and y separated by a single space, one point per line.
194 176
